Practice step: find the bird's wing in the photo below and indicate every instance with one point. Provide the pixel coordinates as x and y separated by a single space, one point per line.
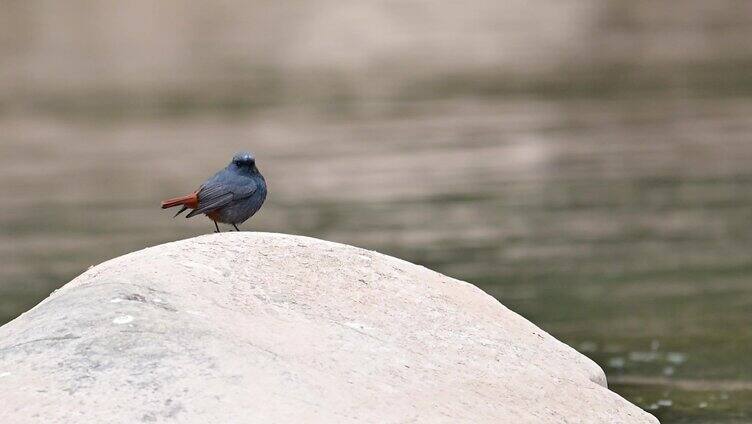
215 194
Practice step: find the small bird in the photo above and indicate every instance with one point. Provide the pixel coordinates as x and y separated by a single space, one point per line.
231 196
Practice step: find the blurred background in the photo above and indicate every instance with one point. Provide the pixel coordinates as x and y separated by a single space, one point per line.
586 162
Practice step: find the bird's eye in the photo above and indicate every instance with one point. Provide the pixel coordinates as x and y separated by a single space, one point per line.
244 162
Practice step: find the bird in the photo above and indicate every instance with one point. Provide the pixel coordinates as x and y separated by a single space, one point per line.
231 196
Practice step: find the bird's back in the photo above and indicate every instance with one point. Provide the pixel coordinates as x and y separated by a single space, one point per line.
248 194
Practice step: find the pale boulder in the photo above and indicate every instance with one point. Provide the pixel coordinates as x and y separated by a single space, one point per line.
256 328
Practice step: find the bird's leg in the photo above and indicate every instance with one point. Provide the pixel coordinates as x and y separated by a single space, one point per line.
217 227
236 227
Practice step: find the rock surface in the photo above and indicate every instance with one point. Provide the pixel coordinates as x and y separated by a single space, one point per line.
257 327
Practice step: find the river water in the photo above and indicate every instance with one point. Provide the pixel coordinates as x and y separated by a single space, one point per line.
620 225
587 162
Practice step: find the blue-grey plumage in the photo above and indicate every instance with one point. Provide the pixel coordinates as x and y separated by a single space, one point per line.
231 196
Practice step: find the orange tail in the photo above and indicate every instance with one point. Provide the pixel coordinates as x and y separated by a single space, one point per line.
190 201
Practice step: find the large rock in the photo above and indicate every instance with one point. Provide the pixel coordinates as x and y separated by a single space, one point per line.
254 327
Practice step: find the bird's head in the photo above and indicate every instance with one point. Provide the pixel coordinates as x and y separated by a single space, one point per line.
244 161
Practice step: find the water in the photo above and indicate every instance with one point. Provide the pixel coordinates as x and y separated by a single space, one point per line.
620 225
586 162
